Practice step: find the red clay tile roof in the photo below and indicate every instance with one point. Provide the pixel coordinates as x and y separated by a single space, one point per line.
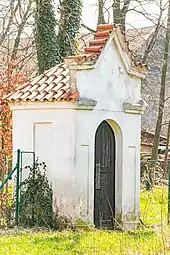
99 41
54 84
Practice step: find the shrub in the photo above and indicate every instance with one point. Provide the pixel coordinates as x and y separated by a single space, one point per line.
36 201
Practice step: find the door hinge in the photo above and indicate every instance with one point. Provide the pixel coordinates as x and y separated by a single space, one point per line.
97 176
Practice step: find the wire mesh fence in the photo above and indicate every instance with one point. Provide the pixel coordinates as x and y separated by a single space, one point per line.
27 160
6 191
154 191
10 184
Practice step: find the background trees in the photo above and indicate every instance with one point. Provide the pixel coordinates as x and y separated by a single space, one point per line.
162 90
14 54
28 38
15 23
52 45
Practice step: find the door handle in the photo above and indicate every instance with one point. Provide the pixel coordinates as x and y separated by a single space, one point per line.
97 176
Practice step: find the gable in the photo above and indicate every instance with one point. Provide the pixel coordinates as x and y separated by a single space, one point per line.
59 83
102 38
109 83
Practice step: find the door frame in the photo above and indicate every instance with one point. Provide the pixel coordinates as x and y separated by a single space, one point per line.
113 174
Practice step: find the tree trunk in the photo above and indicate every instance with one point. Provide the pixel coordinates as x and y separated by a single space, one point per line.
69 25
162 92
119 14
123 13
45 35
153 38
116 12
101 19
20 30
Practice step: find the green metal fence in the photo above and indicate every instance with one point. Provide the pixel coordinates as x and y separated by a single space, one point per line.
10 185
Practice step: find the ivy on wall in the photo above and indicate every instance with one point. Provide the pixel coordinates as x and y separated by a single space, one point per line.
69 25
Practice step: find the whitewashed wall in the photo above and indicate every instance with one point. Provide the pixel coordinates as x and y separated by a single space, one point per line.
51 134
127 160
64 136
110 86
109 83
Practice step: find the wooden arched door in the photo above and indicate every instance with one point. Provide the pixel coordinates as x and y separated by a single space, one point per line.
104 177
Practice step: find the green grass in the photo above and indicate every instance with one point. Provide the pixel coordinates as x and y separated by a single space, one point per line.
154 206
150 240
92 242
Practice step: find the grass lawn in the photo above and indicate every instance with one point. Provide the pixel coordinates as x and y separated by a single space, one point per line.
154 206
93 242
148 240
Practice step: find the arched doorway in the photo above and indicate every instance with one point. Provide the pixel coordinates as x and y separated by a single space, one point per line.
104 177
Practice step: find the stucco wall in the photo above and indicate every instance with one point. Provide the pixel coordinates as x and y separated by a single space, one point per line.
59 152
127 160
70 131
70 157
110 86
109 83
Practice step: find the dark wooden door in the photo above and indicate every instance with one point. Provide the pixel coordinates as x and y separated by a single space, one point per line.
104 177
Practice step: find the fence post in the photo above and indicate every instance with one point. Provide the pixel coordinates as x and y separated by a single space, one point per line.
17 188
168 191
